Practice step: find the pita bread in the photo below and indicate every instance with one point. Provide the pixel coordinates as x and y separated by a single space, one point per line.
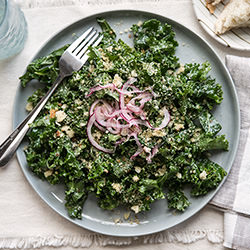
235 14
211 5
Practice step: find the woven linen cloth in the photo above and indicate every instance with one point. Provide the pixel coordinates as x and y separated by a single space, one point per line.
234 196
25 220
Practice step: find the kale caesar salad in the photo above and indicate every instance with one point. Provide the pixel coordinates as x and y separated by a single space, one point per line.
132 126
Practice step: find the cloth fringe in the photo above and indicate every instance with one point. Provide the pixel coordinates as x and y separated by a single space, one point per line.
28 4
213 236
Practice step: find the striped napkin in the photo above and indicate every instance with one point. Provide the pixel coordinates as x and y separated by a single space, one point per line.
234 196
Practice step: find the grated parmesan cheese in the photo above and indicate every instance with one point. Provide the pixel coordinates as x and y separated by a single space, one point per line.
203 175
117 187
60 116
70 133
29 106
136 209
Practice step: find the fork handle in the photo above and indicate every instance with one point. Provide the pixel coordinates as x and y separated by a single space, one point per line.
10 145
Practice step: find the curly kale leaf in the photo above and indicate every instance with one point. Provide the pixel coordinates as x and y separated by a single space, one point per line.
206 143
44 69
210 125
157 41
36 96
204 175
177 200
108 32
155 36
75 196
203 85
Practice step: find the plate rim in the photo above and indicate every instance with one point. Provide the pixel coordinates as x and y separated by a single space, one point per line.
218 59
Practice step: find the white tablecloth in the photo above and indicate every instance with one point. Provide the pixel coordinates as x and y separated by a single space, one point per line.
25 220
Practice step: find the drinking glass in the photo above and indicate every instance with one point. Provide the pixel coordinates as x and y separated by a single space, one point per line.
13 29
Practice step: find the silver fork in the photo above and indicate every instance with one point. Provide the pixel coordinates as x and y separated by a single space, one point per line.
71 60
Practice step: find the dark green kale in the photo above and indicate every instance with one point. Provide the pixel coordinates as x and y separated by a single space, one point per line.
210 125
44 69
177 200
207 143
75 197
59 150
204 176
157 42
107 31
203 85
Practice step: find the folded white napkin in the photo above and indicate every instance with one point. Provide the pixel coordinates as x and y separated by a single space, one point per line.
234 196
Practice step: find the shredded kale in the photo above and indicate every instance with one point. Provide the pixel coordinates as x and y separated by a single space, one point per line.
60 151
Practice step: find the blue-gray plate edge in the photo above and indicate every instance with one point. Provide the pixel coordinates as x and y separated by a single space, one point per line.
159 217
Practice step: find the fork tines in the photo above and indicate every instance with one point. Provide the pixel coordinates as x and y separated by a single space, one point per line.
81 44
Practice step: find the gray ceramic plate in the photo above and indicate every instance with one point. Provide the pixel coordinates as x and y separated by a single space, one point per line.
191 48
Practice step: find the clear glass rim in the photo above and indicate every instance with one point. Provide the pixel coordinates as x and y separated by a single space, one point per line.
5 11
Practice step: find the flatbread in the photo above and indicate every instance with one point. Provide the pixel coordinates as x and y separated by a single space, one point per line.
235 14
211 5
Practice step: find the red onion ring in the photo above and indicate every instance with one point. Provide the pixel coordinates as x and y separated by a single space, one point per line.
139 149
100 87
116 117
165 120
91 138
